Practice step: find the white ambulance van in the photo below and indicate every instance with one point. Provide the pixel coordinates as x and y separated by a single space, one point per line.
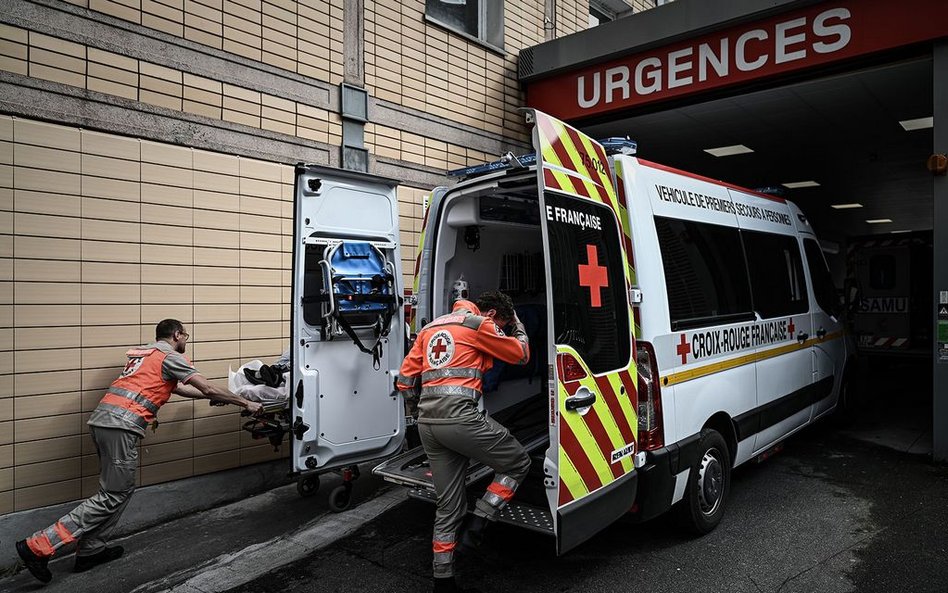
679 327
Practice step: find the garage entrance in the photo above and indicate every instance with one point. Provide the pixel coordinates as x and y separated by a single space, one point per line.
847 140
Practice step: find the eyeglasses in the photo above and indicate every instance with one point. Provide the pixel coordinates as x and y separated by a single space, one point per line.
185 334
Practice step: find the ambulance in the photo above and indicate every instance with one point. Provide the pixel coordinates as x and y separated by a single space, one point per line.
679 327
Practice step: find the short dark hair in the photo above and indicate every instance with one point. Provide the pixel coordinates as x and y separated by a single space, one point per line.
500 302
167 327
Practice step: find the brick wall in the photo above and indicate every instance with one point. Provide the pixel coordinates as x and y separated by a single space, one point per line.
109 225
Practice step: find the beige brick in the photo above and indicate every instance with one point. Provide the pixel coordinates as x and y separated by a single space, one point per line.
55 74
46 315
201 109
168 432
99 379
6 409
14 34
165 234
216 163
40 248
215 219
106 230
110 294
199 36
260 277
102 357
47 494
215 351
167 195
202 96
122 273
6 456
259 453
108 87
111 188
215 331
47 427
172 27
164 174
216 313
153 294
45 203
152 314
205 464
110 314
46 293
48 450
114 335
47 337
220 183
27 131
215 294
115 210
33 361
205 237
168 254
47 472
153 98
128 11
171 215
240 118
261 242
38 157
41 406
110 72
45 225
158 274
166 154
166 472
208 256
47 181
217 275
110 251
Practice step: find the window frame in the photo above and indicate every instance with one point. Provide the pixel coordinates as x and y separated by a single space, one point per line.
487 10
801 273
688 323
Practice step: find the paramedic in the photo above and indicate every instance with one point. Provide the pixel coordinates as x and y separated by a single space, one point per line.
442 373
152 373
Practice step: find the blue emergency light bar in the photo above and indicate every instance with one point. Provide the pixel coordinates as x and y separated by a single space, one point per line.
612 145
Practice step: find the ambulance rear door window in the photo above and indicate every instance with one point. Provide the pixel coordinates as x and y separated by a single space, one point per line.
776 272
705 274
823 287
590 306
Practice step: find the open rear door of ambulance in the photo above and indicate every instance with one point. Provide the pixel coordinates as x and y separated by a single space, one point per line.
591 479
347 292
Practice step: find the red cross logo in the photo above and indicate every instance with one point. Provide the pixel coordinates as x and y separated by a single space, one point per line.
439 348
791 328
684 348
593 276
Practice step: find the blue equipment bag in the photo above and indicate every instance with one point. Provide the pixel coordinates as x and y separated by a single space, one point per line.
363 291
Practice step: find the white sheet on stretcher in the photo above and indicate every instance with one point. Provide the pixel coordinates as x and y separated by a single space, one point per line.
238 383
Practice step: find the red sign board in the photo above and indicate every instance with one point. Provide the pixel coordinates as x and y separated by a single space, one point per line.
817 35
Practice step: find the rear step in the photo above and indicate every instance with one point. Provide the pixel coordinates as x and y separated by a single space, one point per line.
411 467
515 513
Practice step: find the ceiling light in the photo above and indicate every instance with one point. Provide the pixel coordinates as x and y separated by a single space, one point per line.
728 150
904 231
917 124
845 206
878 220
799 184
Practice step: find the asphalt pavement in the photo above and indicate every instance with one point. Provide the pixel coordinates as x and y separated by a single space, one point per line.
857 508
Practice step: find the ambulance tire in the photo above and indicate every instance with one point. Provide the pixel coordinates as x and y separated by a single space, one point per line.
709 483
340 498
307 486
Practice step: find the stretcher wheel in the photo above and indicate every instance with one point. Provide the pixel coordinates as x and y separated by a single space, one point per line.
340 498
307 486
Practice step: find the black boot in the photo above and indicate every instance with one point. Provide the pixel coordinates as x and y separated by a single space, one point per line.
109 554
35 564
472 534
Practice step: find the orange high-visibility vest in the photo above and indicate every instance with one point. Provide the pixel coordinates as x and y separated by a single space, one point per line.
140 390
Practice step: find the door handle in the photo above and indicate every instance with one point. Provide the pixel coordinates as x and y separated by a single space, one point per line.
802 337
581 400
821 333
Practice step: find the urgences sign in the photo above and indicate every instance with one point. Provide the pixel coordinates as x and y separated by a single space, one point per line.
817 35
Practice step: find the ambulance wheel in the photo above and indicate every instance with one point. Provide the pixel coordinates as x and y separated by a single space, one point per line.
709 483
340 498
307 486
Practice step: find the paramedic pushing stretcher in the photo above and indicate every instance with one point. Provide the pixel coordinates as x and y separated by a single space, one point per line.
152 373
442 373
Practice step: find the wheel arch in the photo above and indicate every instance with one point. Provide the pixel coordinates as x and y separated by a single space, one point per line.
723 423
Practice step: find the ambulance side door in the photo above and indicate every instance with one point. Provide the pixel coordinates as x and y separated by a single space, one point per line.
829 350
344 407
591 478
784 329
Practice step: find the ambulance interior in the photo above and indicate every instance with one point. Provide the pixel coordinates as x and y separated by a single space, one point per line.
491 238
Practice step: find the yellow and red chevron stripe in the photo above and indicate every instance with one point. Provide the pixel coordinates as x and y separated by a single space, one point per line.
587 441
572 162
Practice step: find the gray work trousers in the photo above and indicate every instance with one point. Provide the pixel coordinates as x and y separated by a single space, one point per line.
449 448
91 523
